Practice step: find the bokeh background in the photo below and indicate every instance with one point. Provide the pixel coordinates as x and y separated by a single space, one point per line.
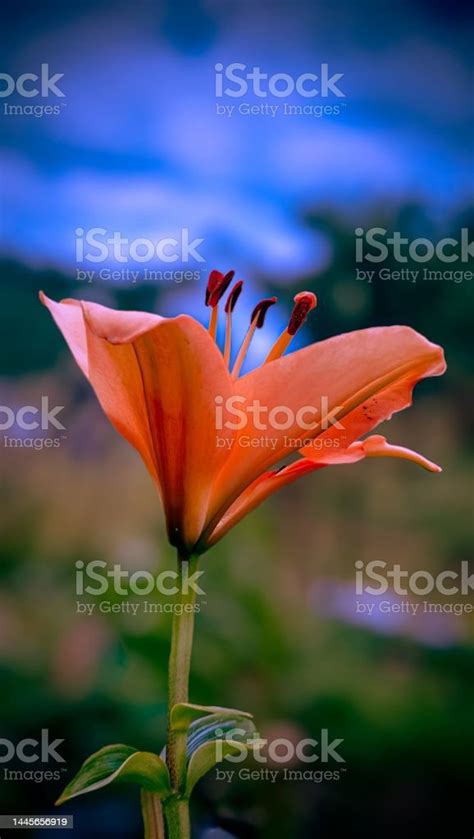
139 148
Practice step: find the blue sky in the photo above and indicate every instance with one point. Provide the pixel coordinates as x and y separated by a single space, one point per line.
138 146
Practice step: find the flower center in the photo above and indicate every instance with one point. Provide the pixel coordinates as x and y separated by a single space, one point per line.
218 284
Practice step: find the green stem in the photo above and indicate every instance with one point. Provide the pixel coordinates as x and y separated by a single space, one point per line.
177 808
177 818
152 815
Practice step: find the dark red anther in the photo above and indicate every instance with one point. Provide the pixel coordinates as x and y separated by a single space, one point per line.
215 277
217 285
261 310
234 295
304 302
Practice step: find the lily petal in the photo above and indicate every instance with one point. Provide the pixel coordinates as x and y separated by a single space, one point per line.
69 319
367 375
257 492
156 379
270 482
377 446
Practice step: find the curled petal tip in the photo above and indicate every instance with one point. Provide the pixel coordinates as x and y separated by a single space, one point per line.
43 298
377 446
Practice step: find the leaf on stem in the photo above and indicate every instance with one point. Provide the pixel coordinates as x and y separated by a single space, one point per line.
213 738
185 713
119 763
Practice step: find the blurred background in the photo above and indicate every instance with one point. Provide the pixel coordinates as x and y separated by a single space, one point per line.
137 145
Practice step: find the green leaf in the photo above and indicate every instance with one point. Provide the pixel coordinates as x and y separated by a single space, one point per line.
217 726
119 763
185 713
207 744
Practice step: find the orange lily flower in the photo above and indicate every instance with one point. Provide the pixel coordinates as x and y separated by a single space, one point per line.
159 381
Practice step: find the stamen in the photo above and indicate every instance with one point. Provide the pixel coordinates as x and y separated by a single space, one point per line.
234 295
217 285
213 323
304 302
215 277
261 310
256 322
